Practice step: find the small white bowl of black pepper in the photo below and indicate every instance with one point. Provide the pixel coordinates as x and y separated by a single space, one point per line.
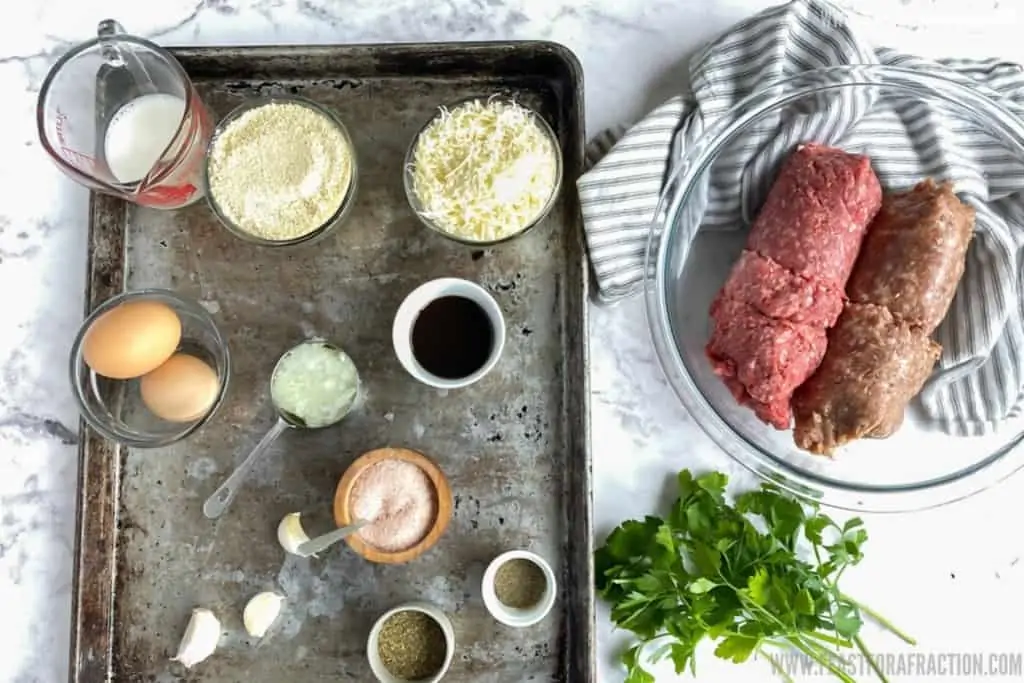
411 642
519 588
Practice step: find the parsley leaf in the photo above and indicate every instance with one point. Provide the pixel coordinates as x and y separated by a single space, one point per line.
636 673
734 574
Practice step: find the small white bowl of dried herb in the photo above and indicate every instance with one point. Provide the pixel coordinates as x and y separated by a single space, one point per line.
519 588
411 642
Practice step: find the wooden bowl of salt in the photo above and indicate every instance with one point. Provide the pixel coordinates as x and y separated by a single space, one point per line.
403 494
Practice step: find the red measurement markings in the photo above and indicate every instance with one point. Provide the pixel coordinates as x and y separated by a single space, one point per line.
165 196
186 164
73 157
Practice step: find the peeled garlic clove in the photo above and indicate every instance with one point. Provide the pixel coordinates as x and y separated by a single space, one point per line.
260 612
200 639
291 535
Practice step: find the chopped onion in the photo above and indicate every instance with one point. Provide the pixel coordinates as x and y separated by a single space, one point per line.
316 383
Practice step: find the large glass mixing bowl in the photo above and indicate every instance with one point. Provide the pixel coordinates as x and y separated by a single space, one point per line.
688 261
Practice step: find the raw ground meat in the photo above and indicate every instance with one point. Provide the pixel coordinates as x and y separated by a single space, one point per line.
778 293
879 353
875 364
774 413
764 357
914 255
815 215
770 320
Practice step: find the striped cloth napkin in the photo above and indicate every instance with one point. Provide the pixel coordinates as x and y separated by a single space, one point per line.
980 382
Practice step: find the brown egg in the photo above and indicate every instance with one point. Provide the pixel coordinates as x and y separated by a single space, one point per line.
131 339
180 390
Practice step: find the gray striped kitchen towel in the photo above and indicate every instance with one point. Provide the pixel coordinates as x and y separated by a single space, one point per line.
981 373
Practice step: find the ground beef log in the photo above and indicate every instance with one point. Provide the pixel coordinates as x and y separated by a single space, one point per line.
817 212
901 288
779 293
761 359
770 319
914 255
874 366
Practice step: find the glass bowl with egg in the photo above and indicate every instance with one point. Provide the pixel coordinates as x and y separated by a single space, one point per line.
483 171
149 368
280 171
891 455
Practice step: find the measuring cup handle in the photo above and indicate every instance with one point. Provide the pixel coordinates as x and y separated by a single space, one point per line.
108 28
220 500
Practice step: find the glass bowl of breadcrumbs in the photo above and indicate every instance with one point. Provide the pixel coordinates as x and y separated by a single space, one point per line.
280 171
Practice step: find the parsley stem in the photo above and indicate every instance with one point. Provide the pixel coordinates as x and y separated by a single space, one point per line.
831 640
803 646
871 659
780 672
625 623
882 621
824 651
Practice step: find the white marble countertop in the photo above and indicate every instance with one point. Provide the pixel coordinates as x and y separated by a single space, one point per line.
947 576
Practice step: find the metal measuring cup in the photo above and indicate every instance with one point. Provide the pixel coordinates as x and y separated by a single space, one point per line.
218 503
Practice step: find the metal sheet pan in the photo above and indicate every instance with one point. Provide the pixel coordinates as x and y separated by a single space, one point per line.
515 447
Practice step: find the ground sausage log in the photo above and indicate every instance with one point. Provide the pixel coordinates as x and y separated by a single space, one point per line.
770 319
874 366
901 288
817 212
914 255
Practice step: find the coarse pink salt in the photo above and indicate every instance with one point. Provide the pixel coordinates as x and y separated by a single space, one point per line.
399 499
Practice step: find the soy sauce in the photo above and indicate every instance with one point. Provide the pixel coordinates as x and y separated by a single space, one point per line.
452 337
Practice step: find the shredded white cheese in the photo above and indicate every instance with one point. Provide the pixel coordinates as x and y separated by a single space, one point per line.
316 383
484 170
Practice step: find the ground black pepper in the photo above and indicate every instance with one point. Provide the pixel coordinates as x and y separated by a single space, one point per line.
412 645
519 584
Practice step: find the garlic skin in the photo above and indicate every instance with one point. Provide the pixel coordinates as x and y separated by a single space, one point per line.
200 640
291 535
260 613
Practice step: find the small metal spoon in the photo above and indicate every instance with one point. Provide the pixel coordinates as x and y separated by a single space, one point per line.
218 503
321 543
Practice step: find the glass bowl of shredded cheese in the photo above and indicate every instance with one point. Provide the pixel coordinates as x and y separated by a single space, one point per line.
280 171
483 170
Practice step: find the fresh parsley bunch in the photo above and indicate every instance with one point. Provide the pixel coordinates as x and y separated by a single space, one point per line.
732 573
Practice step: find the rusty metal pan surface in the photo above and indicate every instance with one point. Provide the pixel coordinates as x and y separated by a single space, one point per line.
515 446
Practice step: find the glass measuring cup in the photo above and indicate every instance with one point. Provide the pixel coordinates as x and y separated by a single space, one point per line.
285 382
119 115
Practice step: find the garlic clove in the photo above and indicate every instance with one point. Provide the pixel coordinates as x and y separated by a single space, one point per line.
291 535
260 613
200 640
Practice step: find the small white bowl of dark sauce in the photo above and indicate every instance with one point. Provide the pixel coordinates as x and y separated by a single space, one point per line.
449 333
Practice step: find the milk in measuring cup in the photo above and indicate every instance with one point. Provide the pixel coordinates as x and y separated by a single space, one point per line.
139 133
